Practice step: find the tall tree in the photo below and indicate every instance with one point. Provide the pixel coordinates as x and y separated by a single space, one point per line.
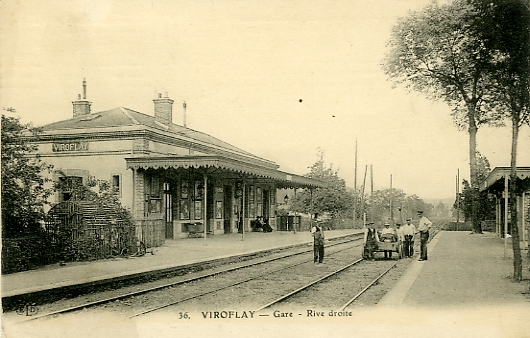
505 29
436 51
23 185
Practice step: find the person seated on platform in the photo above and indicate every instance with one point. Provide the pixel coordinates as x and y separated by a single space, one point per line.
266 226
388 235
257 224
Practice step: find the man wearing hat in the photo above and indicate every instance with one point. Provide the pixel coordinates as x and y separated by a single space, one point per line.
408 231
399 233
370 241
318 236
423 227
388 234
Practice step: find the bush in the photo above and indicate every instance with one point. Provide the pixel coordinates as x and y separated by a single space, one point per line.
454 226
26 253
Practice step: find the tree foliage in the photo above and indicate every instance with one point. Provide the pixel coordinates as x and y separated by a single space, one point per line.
485 204
333 199
438 51
98 191
403 205
23 184
505 32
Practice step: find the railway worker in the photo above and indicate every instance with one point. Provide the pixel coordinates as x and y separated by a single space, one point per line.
423 228
388 235
318 245
370 241
408 231
399 232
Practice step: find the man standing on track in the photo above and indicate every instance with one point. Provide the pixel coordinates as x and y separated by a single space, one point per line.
409 230
370 241
423 227
318 246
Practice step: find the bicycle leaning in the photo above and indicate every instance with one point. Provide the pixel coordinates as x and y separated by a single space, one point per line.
128 248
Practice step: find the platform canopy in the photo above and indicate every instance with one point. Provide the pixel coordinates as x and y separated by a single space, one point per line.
247 169
495 180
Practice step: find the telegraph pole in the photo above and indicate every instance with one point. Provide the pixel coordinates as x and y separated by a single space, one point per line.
371 193
355 190
391 213
362 195
457 199
184 116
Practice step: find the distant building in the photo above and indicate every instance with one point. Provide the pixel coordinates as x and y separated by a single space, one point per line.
168 175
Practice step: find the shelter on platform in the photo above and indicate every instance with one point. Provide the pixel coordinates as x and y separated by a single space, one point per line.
497 183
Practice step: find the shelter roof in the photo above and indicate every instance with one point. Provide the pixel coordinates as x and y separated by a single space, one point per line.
499 173
283 179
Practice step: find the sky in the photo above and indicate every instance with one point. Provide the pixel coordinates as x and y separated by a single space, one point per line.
280 79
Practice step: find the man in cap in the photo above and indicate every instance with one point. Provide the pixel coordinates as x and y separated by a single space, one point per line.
408 231
318 244
399 232
423 227
400 235
370 241
388 235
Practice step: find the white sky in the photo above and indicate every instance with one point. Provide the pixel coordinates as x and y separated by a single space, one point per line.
243 67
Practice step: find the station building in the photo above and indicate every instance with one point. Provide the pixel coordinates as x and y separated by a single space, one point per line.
169 176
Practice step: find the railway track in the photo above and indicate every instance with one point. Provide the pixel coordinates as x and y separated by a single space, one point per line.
261 281
333 285
362 275
252 287
121 296
347 285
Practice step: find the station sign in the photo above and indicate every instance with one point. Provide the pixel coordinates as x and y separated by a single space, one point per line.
69 147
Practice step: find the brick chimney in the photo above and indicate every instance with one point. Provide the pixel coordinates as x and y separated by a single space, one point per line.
82 106
163 109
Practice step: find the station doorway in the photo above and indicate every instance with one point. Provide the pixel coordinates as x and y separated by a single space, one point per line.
227 212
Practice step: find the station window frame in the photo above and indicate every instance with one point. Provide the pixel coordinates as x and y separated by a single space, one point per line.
116 184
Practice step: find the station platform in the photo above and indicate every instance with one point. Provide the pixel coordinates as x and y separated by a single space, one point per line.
173 254
462 270
464 289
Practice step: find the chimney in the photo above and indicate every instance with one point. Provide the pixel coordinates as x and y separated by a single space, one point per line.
184 118
82 105
163 109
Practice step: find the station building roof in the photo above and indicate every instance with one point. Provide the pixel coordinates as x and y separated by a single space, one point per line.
122 117
221 155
